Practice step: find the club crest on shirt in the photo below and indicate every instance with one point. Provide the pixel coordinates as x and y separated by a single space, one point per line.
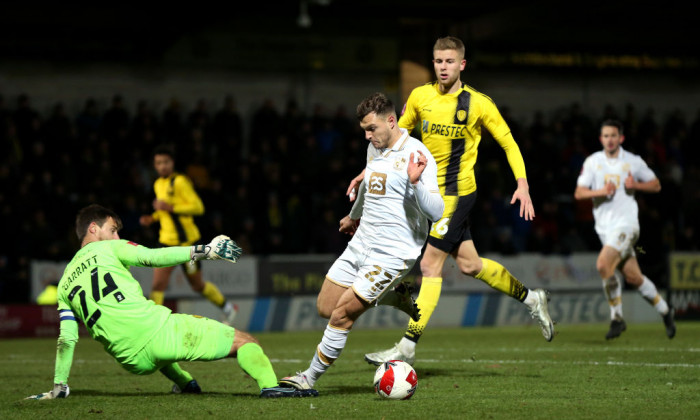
400 163
621 238
377 183
626 167
461 115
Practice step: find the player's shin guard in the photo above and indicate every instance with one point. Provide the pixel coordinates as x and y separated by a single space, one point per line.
213 293
332 344
613 291
175 373
255 363
649 292
157 297
427 302
498 277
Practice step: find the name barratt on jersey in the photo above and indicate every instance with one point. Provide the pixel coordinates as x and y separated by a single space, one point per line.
83 267
447 130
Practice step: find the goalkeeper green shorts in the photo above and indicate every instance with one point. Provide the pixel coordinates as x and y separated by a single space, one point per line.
182 338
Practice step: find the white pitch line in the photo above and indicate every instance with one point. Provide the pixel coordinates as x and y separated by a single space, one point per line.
533 362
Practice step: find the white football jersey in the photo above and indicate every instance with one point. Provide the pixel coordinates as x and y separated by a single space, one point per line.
620 209
395 213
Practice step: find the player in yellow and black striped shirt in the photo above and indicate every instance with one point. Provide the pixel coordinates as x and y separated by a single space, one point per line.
175 206
450 116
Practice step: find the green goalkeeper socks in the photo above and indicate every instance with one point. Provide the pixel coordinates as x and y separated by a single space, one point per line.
255 363
175 373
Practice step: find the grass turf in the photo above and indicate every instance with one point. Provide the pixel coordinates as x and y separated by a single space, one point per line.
466 373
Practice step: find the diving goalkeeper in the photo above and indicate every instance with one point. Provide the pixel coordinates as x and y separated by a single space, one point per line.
98 289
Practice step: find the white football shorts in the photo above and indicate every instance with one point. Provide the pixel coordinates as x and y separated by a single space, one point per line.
623 239
369 272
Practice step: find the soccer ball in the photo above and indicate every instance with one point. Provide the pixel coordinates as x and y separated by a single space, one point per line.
395 380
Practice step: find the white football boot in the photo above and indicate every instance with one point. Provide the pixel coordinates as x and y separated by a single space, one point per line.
540 312
298 381
393 353
230 312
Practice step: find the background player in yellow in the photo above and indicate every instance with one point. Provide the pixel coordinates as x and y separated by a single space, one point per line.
175 206
450 116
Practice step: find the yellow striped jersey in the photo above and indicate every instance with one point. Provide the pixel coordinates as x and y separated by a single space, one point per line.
450 125
178 227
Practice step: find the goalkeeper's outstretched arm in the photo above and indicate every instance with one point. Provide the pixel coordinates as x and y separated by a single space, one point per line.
220 248
65 347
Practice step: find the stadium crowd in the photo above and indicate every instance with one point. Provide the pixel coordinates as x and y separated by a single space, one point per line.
275 182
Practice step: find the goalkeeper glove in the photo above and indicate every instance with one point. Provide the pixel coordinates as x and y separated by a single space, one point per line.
220 248
58 391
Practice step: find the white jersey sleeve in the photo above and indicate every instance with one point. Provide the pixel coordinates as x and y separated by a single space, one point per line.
585 178
641 171
427 191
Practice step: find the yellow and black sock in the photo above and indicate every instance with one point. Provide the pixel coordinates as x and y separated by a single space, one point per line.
427 301
213 293
498 277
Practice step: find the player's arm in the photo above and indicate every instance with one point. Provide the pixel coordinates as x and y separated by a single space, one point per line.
131 254
585 193
410 115
350 223
652 186
422 174
642 178
585 181
494 122
65 346
191 204
354 186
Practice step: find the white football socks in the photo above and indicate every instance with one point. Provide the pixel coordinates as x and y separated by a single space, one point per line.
613 291
649 292
332 343
407 347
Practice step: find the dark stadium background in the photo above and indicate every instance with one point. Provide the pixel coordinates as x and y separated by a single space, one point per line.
54 159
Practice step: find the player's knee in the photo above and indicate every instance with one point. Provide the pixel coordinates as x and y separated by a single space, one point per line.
634 279
243 337
323 311
430 268
340 318
470 267
605 271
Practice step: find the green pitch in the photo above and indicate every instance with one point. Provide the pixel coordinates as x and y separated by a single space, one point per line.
469 373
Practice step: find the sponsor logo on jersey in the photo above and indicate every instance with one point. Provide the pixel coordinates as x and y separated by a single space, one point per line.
377 183
455 131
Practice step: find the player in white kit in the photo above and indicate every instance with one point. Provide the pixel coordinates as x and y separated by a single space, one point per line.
610 178
397 200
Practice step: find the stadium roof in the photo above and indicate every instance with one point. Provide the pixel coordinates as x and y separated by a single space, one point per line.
60 31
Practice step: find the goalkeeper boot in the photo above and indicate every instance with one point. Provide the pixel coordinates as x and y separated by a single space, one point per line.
617 326
286 392
299 381
400 298
393 353
230 312
192 387
540 312
670 323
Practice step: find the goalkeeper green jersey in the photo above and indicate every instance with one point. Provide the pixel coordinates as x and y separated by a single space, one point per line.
99 289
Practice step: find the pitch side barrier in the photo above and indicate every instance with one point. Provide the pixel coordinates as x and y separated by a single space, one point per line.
278 293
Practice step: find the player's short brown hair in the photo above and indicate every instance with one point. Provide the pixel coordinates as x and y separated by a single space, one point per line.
613 123
449 43
93 213
377 103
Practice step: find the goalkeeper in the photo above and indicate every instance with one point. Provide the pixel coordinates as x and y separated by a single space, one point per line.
143 337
